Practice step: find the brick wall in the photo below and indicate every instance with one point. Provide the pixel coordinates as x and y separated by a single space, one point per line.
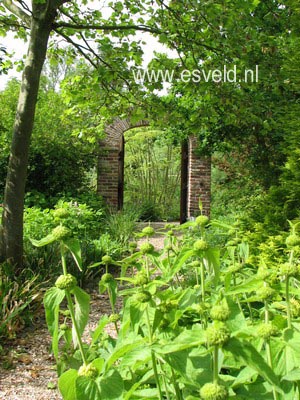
199 180
199 169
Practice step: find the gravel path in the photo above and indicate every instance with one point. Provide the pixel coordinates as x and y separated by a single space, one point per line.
28 371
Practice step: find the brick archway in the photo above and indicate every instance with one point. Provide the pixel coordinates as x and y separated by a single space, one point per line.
195 170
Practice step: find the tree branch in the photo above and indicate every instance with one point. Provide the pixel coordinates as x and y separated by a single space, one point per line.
14 9
79 26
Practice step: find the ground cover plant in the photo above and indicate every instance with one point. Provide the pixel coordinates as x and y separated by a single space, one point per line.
197 321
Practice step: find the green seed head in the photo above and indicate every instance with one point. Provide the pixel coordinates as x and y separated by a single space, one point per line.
266 293
288 269
200 244
141 279
220 312
217 334
107 278
292 240
61 232
114 318
170 233
295 307
133 245
202 220
195 264
213 391
89 371
67 281
148 231
146 248
142 297
107 259
61 213
234 268
263 273
63 327
265 331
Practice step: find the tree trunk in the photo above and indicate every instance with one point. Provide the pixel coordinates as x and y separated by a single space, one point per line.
11 234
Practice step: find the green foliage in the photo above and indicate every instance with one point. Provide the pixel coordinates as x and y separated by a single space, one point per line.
179 340
20 297
152 174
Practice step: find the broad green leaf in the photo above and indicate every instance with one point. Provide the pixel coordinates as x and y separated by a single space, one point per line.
82 309
44 241
73 245
52 299
112 386
250 285
101 325
186 340
87 389
245 351
66 384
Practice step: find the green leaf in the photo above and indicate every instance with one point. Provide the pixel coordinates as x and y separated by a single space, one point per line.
82 310
243 350
87 389
186 340
52 299
112 386
250 285
101 325
66 384
44 241
73 245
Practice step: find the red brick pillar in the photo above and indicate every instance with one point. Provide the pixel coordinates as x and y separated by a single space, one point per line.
108 170
199 180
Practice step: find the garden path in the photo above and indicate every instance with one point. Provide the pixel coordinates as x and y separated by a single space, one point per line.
27 370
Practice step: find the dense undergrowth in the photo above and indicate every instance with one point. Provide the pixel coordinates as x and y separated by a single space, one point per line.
214 315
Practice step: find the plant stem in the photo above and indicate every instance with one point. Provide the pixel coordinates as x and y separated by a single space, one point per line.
202 281
216 364
269 356
287 299
154 364
74 322
63 259
176 387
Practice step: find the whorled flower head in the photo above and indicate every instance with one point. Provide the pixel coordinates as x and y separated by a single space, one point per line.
234 268
107 278
148 231
132 245
61 232
266 293
217 334
288 269
292 240
67 281
63 327
220 312
146 248
213 391
168 305
142 297
114 318
141 278
295 307
202 220
89 371
263 273
265 331
61 213
107 259
200 244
